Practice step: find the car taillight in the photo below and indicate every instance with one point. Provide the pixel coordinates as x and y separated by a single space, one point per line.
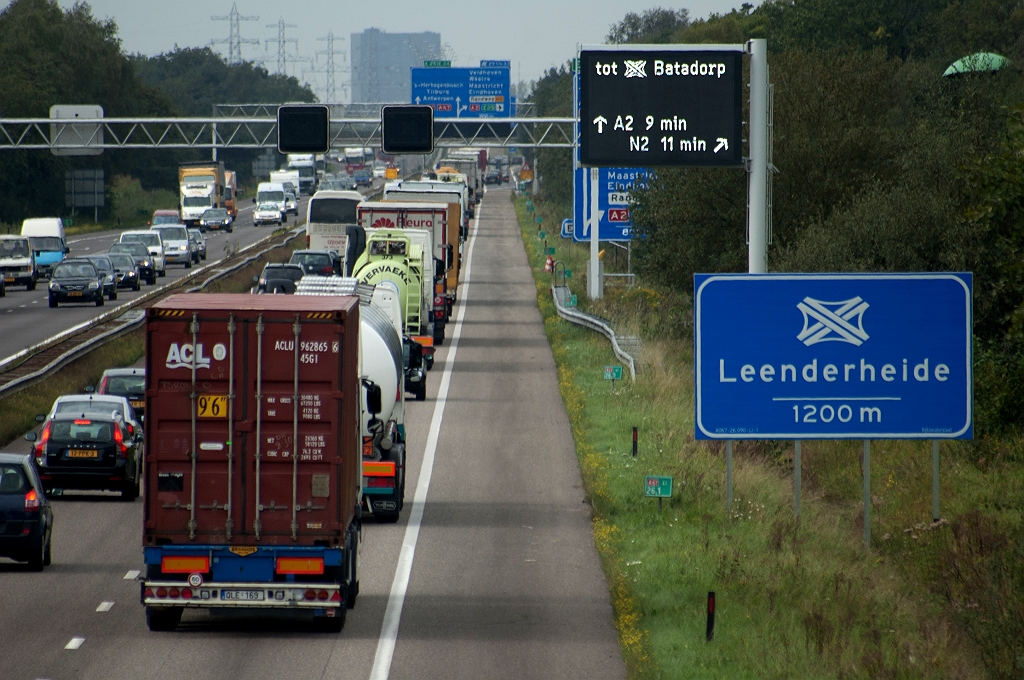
43 439
119 440
31 500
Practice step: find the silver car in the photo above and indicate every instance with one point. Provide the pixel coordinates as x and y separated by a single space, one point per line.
178 248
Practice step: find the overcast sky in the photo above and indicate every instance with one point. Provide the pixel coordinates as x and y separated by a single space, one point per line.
532 34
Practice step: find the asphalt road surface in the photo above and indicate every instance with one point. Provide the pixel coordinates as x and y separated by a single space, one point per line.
498 576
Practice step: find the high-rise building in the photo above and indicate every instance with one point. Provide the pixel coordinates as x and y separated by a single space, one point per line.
381 63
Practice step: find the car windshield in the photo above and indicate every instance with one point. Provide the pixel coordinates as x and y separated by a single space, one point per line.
11 248
173 233
88 405
195 235
45 243
267 207
290 273
166 219
136 250
12 479
102 264
311 259
121 261
270 196
215 214
196 201
289 196
82 430
75 270
333 211
125 385
151 239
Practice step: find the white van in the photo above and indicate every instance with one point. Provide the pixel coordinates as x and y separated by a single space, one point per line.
271 192
17 263
49 245
153 242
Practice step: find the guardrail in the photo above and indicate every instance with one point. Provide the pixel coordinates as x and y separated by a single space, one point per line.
135 317
561 294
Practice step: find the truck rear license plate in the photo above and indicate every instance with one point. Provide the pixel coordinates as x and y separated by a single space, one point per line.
83 453
249 595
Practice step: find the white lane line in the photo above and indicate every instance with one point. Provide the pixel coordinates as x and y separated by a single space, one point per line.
131 575
105 606
393 614
75 643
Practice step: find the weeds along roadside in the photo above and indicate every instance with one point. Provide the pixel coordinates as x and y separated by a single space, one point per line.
792 601
20 409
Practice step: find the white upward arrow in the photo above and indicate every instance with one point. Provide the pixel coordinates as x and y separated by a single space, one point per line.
458 108
600 121
722 143
417 100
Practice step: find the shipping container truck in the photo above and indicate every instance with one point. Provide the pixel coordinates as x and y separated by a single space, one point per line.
201 187
253 472
432 217
231 193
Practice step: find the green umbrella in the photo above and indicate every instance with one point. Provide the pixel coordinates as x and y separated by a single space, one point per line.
977 63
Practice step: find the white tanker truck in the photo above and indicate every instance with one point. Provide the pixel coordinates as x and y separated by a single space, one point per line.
383 361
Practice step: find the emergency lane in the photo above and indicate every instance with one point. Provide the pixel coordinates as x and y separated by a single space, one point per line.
505 581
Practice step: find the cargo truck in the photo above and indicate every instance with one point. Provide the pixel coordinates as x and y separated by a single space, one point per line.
305 165
253 469
201 186
231 193
432 217
385 362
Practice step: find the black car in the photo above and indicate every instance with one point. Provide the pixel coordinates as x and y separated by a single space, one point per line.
492 177
106 269
143 260
317 262
216 218
76 280
91 451
129 383
26 518
126 272
279 278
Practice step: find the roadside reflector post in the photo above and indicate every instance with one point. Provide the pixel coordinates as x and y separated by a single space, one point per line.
867 494
796 478
710 634
935 480
634 444
728 475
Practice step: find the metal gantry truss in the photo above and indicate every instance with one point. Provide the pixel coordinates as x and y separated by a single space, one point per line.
260 131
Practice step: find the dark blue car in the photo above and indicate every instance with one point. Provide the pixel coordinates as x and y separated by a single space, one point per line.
26 519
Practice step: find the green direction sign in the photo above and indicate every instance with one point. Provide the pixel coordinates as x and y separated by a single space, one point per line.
572 301
656 486
542 234
436 63
539 219
551 251
613 372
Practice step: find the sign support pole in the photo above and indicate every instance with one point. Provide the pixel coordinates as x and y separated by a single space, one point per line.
867 494
535 182
757 177
728 475
595 285
797 472
213 140
935 480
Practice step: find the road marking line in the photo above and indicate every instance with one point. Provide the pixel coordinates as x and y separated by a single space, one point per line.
393 614
75 643
131 575
104 606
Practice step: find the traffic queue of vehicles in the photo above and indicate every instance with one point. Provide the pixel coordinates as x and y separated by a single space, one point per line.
285 426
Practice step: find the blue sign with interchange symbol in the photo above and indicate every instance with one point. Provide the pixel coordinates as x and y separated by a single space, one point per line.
463 92
833 356
613 212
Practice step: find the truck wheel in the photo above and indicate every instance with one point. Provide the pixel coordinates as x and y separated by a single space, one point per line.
163 618
421 393
31 285
428 361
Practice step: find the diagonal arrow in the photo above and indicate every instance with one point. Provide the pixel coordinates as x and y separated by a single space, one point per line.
722 143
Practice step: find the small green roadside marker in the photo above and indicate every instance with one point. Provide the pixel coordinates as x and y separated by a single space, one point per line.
529 207
551 251
542 234
657 486
568 273
613 372
572 301
539 219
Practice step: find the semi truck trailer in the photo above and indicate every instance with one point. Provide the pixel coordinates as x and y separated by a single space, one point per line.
253 473
201 187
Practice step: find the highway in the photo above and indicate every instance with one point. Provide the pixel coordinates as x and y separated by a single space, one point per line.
498 576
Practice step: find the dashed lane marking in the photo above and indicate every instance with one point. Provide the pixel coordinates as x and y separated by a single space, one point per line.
131 575
75 643
105 606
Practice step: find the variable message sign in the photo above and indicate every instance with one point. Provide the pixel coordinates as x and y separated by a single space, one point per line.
458 92
655 105
833 356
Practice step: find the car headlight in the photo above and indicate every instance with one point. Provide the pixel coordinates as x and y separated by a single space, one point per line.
54 285
93 285
147 263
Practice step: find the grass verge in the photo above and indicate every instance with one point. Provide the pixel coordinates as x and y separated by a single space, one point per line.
793 600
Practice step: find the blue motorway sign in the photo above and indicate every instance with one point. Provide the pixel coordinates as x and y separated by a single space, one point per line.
833 356
614 185
457 92
566 231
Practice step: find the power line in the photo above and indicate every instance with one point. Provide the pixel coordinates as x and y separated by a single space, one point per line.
329 68
282 45
235 40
